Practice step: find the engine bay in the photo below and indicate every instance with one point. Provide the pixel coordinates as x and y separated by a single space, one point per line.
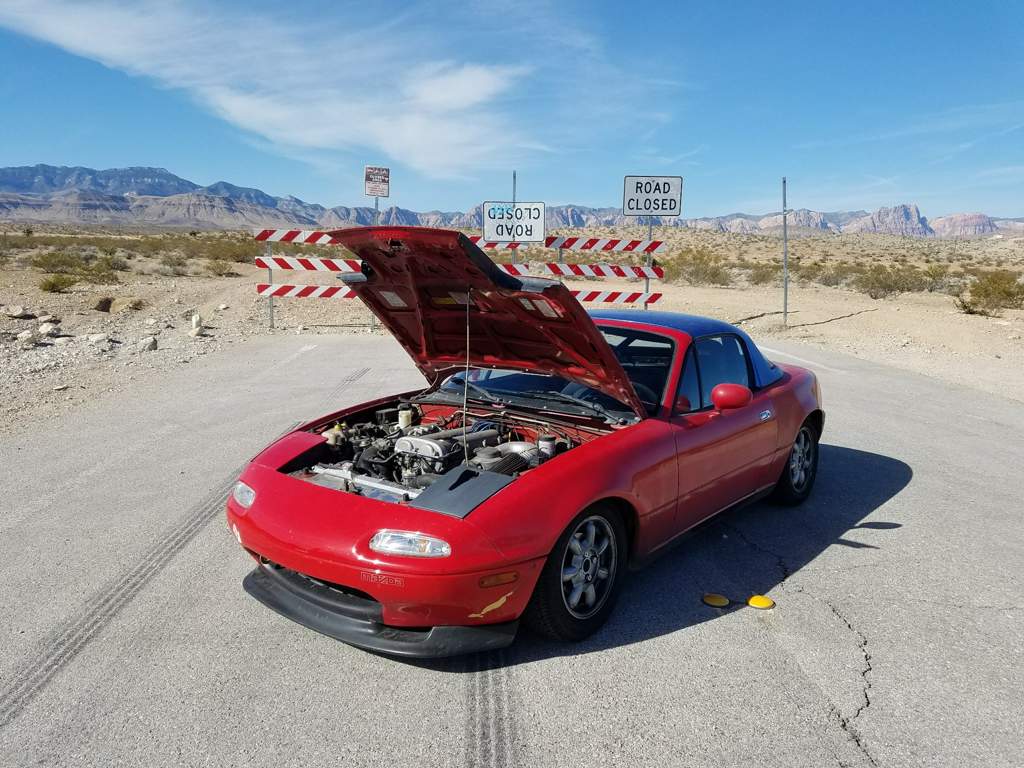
397 452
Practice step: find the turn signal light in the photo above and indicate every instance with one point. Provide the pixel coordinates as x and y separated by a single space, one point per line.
497 579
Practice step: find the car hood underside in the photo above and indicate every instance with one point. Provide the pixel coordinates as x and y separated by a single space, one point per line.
427 285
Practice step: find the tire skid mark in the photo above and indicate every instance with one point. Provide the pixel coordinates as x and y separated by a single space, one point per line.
492 731
64 643
346 381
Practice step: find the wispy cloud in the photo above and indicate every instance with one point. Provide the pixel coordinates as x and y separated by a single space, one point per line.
963 118
1005 174
388 88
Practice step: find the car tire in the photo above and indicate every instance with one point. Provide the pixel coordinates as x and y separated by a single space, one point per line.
593 549
801 468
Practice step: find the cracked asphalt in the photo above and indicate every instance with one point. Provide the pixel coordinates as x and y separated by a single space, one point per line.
126 639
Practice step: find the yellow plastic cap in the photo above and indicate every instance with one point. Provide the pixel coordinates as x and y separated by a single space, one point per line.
761 601
715 600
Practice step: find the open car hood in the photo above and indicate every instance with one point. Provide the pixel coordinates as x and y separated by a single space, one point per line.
417 280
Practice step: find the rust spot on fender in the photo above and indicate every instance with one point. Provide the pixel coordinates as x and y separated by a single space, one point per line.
493 606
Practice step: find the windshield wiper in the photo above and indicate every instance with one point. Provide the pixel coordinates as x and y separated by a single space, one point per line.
563 397
455 390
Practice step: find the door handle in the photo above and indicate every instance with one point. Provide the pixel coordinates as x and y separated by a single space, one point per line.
766 414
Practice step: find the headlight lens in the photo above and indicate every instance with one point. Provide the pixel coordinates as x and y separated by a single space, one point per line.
243 494
409 543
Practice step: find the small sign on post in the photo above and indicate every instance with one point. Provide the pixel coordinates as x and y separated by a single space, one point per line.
376 181
376 184
652 196
514 222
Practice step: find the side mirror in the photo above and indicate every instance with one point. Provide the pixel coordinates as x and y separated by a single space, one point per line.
730 396
683 404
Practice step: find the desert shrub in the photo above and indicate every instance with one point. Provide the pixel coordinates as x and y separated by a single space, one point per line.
57 283
221 268
698 266
111 263
99 272
174 263
992 292
879 281
238 251
58 262
937 277
81 268
762 274
807 272
840 274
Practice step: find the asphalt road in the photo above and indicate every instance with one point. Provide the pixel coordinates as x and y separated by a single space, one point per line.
126 639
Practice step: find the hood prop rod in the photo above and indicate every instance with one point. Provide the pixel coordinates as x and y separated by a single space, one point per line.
465 387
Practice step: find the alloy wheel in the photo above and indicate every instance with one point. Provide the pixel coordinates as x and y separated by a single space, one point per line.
588 567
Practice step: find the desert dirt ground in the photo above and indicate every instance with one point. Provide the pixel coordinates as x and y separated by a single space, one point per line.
93 352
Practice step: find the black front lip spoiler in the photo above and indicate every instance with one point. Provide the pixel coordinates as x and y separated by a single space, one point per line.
357 621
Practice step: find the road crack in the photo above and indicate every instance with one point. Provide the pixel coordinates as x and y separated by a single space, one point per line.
845 722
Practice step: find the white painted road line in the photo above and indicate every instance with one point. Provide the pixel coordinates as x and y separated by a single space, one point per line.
803 360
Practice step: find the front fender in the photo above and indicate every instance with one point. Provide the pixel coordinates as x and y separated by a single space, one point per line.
636 464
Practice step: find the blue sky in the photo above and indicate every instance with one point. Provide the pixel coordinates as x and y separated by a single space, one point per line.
859 104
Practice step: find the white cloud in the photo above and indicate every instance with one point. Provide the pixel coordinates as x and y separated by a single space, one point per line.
385 90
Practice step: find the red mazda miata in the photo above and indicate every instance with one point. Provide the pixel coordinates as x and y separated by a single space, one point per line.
552 450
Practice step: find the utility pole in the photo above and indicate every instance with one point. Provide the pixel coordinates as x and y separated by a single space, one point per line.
785 257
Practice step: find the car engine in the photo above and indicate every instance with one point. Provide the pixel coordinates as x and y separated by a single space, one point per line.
397 454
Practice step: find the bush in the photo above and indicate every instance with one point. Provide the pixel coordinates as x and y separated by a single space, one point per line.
57 283
762 274
698 266
992 292
174 263
807 272
58 262
879 281
99 272
937 277
221 268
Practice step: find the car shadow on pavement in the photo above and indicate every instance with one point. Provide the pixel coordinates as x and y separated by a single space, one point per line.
742 552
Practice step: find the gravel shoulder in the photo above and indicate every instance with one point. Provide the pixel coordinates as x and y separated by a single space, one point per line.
92 353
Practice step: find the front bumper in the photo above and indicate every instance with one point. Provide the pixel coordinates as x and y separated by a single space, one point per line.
357 620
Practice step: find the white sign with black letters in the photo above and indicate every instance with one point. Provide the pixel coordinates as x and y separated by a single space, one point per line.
652 196
507 222
376 181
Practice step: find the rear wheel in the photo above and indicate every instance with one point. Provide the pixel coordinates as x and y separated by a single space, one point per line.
580 581
801 469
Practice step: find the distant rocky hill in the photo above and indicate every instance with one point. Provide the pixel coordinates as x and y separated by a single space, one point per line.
155 197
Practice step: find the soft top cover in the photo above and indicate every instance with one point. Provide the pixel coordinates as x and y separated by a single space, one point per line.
696 326
419 281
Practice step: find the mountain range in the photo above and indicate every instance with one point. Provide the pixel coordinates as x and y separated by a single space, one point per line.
155 197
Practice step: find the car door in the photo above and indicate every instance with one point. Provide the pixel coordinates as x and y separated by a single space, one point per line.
722 456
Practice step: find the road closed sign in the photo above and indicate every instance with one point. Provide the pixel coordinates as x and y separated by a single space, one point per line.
506 222
376 181
652 196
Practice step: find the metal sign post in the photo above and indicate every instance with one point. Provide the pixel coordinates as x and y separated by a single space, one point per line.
785 258
376 184
270 279
650 196
514 254
650 256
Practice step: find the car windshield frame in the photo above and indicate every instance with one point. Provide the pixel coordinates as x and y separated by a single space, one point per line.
551 394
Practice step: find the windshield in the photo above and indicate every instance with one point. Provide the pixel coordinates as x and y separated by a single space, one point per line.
645 357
